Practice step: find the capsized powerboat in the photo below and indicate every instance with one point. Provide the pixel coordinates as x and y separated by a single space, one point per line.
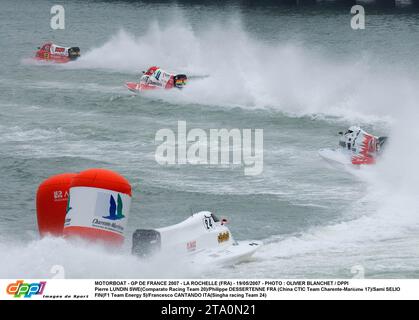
201 239
356 147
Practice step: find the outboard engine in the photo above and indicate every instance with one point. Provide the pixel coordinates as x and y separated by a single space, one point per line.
73 53
145 242
180 80
380 143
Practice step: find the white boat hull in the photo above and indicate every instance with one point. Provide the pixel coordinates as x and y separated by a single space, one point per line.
242 251
201 239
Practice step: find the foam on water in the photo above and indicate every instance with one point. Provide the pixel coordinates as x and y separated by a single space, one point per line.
250 73
379 227
39 258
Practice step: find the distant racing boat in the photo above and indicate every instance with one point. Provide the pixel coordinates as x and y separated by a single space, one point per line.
156 78
59 54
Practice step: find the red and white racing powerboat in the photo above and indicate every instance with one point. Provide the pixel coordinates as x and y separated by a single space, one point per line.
356 147
59 54
156 78
202 239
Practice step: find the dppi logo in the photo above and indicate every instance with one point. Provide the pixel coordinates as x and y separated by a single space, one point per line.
27 290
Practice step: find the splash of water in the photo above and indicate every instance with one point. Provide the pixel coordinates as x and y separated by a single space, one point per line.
251 73
287 77
39 259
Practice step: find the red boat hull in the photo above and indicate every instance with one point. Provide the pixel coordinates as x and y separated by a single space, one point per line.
47 56
138 87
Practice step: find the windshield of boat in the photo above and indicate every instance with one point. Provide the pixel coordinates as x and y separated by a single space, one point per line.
215 218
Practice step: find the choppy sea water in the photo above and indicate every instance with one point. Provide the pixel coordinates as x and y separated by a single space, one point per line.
299 73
